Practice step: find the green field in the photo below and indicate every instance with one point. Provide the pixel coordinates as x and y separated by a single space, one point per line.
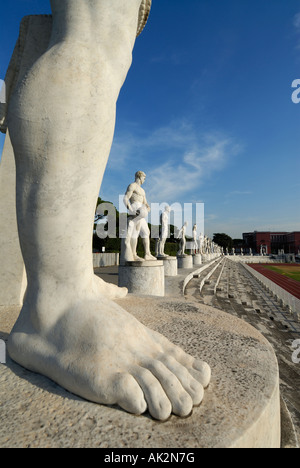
291 271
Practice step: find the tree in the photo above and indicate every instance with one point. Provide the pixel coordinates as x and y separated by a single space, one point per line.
223 240
238 243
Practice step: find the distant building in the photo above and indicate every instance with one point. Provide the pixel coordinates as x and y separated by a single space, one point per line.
272 242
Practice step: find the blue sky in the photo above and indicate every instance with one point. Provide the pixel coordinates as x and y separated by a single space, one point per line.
206 110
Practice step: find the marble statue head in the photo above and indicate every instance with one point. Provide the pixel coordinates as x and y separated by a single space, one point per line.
140 175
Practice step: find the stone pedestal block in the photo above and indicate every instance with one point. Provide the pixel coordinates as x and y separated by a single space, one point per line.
143 278
170 265
206 258
185 261
197 259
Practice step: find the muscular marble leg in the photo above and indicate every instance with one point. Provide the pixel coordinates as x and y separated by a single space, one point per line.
61 120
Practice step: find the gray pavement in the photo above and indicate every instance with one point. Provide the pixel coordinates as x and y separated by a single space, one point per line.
240 295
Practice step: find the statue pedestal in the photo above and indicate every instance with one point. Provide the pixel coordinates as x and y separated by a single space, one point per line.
170 265
206 258
143 278
197 259
185 261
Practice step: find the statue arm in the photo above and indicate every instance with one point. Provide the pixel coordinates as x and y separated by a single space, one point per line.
146 204
127 197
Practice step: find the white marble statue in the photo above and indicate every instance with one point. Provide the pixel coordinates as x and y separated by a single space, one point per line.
195 243
61 119
205 245
138 209
200 243
182 242
164 221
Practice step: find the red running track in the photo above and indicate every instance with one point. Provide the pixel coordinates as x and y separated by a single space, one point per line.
290 285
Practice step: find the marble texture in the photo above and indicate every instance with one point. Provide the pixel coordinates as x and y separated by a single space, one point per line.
197 259
12 272
170 266
137 226
241 407
164 221
143 278
185 261
182 240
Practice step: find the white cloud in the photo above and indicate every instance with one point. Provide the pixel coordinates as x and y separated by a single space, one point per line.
240 192
177 159
194 159
296 22
175 178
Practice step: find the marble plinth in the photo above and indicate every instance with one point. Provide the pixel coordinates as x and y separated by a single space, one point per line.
206 258
241 407
197 259
170 265
185 261
143 278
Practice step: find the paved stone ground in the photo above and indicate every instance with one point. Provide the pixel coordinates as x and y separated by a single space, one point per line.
239 294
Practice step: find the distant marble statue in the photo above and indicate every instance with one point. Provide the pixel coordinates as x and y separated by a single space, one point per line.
200 243
195 243
182 242
205 245
61 120
138 210
164 234
208 245
207 242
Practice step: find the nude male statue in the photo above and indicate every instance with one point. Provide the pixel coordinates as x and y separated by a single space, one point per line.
195 243
69 328
164 219
181 236
201 243
138 209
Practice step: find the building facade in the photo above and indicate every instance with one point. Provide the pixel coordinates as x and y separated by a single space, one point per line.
272 242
